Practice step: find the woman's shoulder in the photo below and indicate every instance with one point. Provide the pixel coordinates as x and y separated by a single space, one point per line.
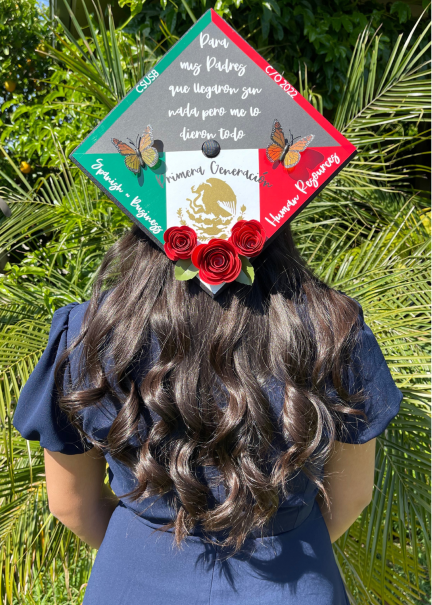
37 415
70 317
370 375
366 347
70 314
67 321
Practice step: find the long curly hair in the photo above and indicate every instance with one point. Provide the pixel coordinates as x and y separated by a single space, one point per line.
207 384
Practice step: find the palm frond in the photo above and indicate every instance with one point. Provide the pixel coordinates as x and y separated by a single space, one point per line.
389 274
106 62
372 113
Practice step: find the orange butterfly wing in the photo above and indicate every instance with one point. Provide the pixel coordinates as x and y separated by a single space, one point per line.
277 135
123 148
131 158
302 144
291 159
274 152
146 139
149 154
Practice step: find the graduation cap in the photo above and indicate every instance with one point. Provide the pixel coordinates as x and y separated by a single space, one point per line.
211 153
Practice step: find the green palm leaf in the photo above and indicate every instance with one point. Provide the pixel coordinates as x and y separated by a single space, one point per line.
107 62
372 113
389 274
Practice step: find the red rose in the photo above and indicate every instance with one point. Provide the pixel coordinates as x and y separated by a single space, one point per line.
217 262
179 242
248 237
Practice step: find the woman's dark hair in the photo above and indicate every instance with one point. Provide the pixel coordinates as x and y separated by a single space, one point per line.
207 385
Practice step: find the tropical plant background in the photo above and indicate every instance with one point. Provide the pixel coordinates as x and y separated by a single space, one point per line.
366 66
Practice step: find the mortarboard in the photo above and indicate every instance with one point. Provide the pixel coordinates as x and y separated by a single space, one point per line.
213 151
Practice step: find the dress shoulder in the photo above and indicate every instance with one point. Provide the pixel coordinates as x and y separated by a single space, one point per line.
369 374
38 416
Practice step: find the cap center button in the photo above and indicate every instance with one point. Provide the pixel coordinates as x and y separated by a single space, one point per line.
211 148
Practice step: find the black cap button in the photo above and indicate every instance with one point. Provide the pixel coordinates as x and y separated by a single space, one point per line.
211 149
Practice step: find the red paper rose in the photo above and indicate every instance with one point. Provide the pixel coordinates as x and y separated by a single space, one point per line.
217 262
180 242
248 237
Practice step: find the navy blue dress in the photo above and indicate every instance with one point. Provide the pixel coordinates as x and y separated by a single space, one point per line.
292 564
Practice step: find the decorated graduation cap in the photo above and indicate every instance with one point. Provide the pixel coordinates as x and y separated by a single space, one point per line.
211 153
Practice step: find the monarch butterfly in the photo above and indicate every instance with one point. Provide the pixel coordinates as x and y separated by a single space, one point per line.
282 150
139 155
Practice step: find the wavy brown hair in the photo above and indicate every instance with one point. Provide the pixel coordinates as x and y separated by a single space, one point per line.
207 386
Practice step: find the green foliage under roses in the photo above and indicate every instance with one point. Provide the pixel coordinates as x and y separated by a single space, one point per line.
247 274
185 270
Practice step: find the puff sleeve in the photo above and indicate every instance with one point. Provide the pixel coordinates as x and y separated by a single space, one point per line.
369 373
37 415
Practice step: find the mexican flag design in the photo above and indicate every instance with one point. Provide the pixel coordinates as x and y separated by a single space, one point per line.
274 151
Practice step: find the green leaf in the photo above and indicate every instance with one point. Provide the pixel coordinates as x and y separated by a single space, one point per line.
185 270
273 5
247 274
189 11
336 22
403 11
346 22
